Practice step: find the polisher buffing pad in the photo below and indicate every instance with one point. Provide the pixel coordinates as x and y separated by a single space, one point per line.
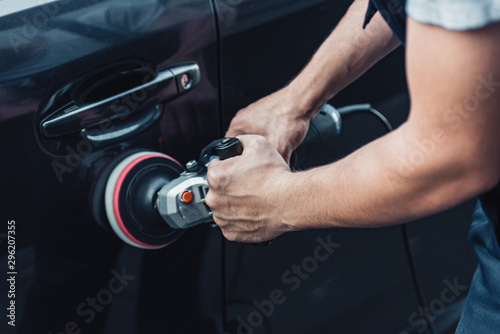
124 198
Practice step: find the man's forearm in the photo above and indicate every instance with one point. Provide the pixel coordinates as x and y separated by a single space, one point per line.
345 55
445 153
378 185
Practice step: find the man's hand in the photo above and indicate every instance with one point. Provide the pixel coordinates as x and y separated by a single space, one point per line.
283 117
275 117
446 152
245 192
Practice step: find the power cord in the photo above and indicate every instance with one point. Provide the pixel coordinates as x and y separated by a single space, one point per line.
355 108
366 108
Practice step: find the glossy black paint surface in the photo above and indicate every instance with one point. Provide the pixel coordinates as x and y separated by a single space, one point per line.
372 282
63 256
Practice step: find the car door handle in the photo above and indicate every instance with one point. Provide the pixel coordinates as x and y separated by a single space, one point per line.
94 100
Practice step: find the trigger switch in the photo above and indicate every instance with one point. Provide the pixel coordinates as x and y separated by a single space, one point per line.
228 148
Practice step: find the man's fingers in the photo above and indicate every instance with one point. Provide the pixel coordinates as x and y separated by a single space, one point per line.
252 141
246 140
232 233
231 132
211 201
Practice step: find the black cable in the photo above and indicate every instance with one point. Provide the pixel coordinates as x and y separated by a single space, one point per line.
365 107
416 282
412 266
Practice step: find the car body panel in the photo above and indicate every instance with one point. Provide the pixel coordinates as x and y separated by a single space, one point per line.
64 257
372 281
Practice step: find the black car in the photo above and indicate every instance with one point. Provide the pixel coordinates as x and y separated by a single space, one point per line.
70 104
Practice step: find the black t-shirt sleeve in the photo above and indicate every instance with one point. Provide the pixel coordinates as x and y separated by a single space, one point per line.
393 12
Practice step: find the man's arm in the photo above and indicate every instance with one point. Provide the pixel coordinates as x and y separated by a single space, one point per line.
447 152
350 50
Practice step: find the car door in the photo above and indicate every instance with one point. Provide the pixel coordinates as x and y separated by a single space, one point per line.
56 57
73 275
338 280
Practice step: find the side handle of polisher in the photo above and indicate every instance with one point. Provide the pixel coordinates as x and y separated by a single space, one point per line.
228 148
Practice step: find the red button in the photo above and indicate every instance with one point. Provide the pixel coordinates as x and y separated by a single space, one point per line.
187 197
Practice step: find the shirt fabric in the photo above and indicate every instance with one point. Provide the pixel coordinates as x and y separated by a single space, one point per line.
481 314
455 14
393 12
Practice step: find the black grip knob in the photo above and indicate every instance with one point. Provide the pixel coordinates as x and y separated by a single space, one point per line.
228 148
